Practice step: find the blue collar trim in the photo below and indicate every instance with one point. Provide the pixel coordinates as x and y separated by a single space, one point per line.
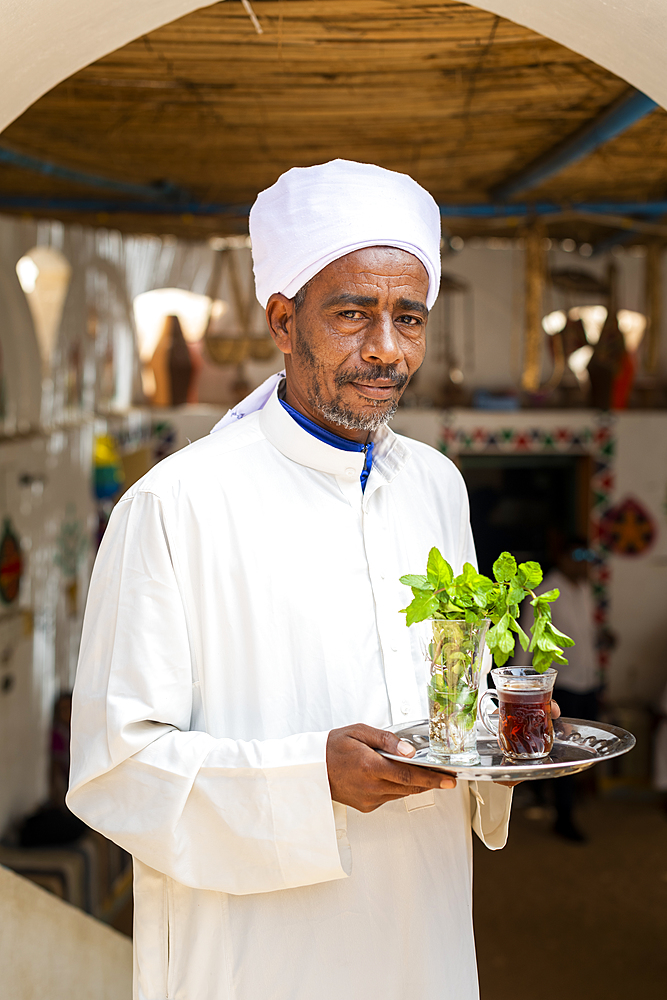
328 437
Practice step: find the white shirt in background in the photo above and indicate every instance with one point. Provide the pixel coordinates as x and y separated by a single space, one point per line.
574 614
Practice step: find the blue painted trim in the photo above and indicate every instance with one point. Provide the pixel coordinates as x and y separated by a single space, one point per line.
30 203
33 203
494 210
163 190
614 120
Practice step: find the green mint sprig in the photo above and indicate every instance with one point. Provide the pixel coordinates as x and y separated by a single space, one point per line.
473 597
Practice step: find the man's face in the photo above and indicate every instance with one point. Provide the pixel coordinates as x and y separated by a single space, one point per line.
357 339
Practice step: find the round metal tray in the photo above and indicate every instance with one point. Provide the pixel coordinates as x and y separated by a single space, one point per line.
578 744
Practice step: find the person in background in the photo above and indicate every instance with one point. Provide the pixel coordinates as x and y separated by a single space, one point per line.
60 740
52 824
660 752
577 685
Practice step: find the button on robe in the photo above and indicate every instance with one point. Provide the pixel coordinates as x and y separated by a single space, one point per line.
245 601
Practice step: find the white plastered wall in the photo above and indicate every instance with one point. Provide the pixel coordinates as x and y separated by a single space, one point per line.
44 41
638 590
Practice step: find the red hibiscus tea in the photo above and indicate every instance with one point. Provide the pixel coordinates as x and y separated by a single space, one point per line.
523 724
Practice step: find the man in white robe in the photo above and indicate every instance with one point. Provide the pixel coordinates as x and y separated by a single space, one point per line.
243 651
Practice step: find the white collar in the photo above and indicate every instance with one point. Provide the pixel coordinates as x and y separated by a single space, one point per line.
389 455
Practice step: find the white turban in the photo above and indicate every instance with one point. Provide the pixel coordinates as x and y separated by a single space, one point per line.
312 216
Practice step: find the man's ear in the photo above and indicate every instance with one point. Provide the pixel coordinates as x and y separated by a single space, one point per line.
280 316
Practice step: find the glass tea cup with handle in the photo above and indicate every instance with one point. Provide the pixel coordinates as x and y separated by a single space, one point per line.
523 725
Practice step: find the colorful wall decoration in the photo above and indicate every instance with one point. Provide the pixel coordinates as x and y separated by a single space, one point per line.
627 529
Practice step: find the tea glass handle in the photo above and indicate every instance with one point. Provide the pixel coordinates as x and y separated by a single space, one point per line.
489 722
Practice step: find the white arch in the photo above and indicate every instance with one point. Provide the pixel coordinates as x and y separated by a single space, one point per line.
42 42
627 37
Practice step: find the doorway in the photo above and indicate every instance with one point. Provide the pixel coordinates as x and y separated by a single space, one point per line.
521 503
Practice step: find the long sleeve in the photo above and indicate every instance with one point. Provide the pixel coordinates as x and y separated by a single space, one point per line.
212 813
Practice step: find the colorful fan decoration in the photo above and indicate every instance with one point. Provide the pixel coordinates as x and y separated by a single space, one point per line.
627 529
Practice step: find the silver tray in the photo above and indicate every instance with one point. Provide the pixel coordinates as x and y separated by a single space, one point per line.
578 745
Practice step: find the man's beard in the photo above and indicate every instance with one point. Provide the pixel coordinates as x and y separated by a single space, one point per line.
334 410
337 413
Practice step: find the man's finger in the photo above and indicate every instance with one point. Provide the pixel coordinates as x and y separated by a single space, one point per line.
393 796
446 781
555 709
382 739
414 777
419 777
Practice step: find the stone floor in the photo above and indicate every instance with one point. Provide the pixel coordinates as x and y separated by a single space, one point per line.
562 921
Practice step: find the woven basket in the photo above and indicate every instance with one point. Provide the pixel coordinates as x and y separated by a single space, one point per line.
226 350
261 348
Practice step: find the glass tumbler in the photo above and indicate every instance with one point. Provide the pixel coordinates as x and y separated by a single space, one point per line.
454 652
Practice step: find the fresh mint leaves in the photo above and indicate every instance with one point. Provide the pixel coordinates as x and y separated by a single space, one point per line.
472 597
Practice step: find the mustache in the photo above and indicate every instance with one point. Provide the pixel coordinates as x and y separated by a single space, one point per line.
372 373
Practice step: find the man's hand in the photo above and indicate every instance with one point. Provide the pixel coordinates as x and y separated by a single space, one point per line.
361 778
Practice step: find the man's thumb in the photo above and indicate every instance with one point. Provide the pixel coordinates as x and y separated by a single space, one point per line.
382 739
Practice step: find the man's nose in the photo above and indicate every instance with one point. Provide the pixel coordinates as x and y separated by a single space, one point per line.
381 344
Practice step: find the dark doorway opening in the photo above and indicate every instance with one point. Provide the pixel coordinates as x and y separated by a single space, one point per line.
521 503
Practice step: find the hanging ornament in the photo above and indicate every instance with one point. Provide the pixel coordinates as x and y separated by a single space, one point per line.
11 564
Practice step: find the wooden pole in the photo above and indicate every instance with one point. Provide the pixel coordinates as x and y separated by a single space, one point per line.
653 306
535 270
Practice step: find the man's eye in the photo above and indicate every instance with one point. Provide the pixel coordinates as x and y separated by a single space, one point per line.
351 314
410 320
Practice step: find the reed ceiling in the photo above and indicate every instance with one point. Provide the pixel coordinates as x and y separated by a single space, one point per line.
457 97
